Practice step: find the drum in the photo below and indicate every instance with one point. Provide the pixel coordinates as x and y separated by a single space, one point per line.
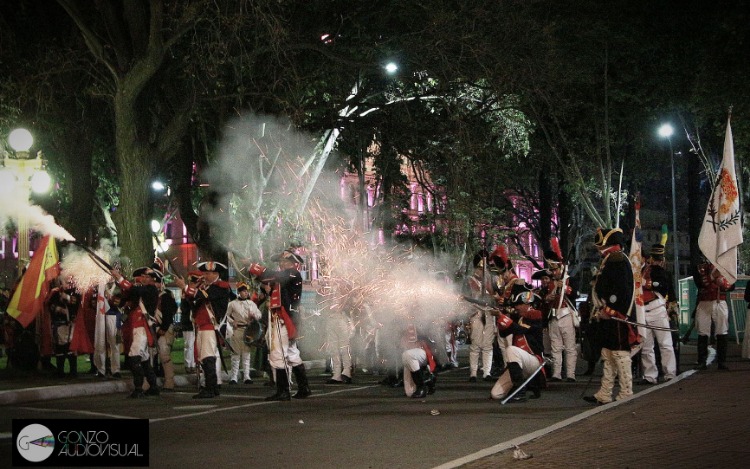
255 334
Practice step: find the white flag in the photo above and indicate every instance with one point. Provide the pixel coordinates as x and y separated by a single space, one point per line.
100 331
721 231
637 262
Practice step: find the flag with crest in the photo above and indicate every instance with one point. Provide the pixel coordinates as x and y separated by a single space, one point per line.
637 262
721 231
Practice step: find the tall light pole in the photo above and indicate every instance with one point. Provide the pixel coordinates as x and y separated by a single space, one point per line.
666 131
24 174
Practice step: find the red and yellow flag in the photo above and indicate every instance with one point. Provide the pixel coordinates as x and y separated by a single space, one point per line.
28 298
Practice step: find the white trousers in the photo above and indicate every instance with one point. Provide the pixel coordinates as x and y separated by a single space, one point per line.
413 359
562 336
164 349
105 343
241 352
617 364
282 353
205 342
712 311
529 364
338 333
482 338
450 349
139 347
189 348
660 318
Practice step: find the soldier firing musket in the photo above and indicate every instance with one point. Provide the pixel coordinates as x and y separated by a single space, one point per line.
210 297
285 286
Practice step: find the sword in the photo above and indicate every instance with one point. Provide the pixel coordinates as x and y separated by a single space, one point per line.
523 385
636 323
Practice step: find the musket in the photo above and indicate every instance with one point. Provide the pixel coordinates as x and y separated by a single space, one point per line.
562 286
482 303
218 336
167 264
101 263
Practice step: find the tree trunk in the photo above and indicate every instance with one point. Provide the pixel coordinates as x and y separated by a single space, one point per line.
135 164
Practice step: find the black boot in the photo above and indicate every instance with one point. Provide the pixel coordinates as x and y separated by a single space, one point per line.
399 381
721 351
73 364
148 371
303 387
516 376
60 363
208 365
702 351
537 384
421 390
430 379
137 370
282 386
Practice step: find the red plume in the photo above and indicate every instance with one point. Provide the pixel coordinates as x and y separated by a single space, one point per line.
555 244
500 252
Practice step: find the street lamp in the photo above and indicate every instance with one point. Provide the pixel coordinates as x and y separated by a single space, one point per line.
666 131
23 173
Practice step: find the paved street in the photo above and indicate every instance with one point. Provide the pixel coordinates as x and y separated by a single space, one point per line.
699 420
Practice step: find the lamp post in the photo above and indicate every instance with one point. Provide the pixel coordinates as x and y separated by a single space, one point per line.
24 173
666 131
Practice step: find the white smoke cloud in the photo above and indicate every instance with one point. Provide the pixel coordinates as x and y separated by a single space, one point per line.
261 172
87 273
14 206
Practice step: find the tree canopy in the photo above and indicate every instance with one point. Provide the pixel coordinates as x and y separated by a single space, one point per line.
494 100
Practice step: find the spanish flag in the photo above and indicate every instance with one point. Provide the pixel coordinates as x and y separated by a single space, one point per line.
28 298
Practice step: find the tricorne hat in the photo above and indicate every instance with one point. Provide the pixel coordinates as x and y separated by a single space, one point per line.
609 237
541 273
212 266
552 259
154 274
288 254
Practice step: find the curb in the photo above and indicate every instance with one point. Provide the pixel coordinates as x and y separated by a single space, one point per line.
18 396
63 391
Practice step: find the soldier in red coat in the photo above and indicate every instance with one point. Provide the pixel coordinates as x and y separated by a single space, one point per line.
137 337
210 298
419 363
524 355
712 308
285 288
